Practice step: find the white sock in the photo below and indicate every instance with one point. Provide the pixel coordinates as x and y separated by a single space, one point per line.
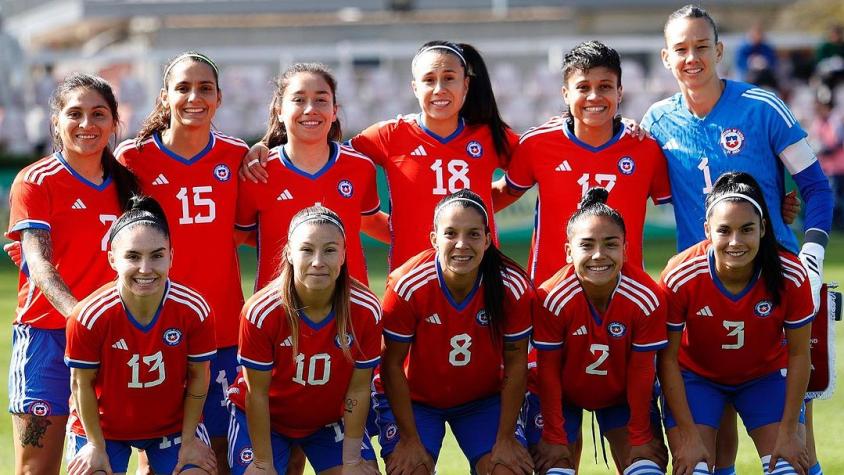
643 467
702 469
560 471
782 468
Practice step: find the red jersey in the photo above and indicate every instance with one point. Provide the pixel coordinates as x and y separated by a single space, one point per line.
422 168
141 370
346 185
319 375
50 195
597 348
727 338
565 168
453 357
199 196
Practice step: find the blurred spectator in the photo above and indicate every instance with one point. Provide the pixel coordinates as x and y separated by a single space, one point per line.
826 133
756 60
830 57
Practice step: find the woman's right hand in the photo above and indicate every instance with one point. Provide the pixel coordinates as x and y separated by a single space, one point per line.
89 460
253 166
407 457
549 456
689 453
258 467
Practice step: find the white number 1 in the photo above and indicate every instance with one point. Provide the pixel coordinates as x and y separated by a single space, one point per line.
707 178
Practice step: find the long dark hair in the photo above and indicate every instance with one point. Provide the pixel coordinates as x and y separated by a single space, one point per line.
594 203
125 182
691 11
480 107
493 268
276 134
142 211
159 118
768 257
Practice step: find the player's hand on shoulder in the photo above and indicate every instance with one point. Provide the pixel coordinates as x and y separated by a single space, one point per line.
408 457
513 455
13 250
634 129
88 460
549 455
195 452
254 163
790 207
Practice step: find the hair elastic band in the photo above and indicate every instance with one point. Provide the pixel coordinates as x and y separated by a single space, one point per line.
319 216
453 49
145 217
734 195
198 56
477 205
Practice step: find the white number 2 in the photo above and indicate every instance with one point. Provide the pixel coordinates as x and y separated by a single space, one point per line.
210 211
737 330
154 362
604 353
460 354
458 179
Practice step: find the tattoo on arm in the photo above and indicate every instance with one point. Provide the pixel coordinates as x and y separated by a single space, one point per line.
195 396
350 404
36 244
32 429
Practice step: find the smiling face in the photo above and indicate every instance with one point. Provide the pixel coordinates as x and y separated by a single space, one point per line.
307 108
192 94
317 253
440 84
460 238
142 257
596 249
85 123
691 52
735 230
593 96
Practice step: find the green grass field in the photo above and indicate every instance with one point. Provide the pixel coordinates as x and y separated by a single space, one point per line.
829 415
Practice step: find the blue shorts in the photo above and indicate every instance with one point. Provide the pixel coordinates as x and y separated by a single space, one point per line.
39 381
323 448
474 425
163 452
224 369
759 401
532 418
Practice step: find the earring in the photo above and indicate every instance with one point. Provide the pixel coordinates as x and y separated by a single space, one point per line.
569 260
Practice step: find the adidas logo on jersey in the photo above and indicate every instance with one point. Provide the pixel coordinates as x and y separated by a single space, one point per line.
419 152
285 195
287 341
435 319
580 331
120 345
704 312
78 204
563 167
160 180
672 144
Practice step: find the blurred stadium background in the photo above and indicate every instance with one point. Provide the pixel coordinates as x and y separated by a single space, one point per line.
369 45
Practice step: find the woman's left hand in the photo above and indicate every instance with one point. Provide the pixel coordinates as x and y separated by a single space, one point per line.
635 129
360 467
655 451
195 452
791 448
513 455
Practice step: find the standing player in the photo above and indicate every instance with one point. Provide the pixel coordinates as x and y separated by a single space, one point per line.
457 141
462 312
138 350
739 317
599 325
588 147
715 125
307 166
187 168
308 343
62 207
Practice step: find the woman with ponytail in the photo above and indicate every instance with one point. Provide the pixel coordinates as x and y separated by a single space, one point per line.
599 324
188 168
62 207
734 337
458 313
139 339
308 342
457 141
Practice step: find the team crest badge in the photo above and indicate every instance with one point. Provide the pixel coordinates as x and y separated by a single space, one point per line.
246 456
538 421
482 318
345 188
391 431
617 329
626 165
763 308
172 336
349 341
732 140
222 172
474 149
40 408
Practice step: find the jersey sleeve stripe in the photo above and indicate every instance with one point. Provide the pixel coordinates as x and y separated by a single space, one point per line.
93 301
657 345
566 285
684 268
552 125
192 295
429 278
661 200
203 356
793 268
30 224
365 294
252 364
246 227
559 308
369 212
517 277
792 324
364 364
509 284
785 117
408 279
516 186
772 96
254 313
346 150
36 174
643 292
676 327
519 335
397 336
72 363
680 280
789 277
91 313
625 292
547 345
376 313
191 305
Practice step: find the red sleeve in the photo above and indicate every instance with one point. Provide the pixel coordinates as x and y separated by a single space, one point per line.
649 333
512 139
399 317
246 214
373 142
640 381
520 300
548 329
256 345
660 190
550 367
675 304
202 344
30 207
371 203
520 172
368 329
83 344
799 307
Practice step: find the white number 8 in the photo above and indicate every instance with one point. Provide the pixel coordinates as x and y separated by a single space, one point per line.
460 354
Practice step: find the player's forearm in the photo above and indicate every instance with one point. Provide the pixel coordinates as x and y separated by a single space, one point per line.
377 226
258 421
397 390
85 402
549 365
356 403
640 380
816 192
38 249
673 388
797 377
195 394
503 195
513 387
